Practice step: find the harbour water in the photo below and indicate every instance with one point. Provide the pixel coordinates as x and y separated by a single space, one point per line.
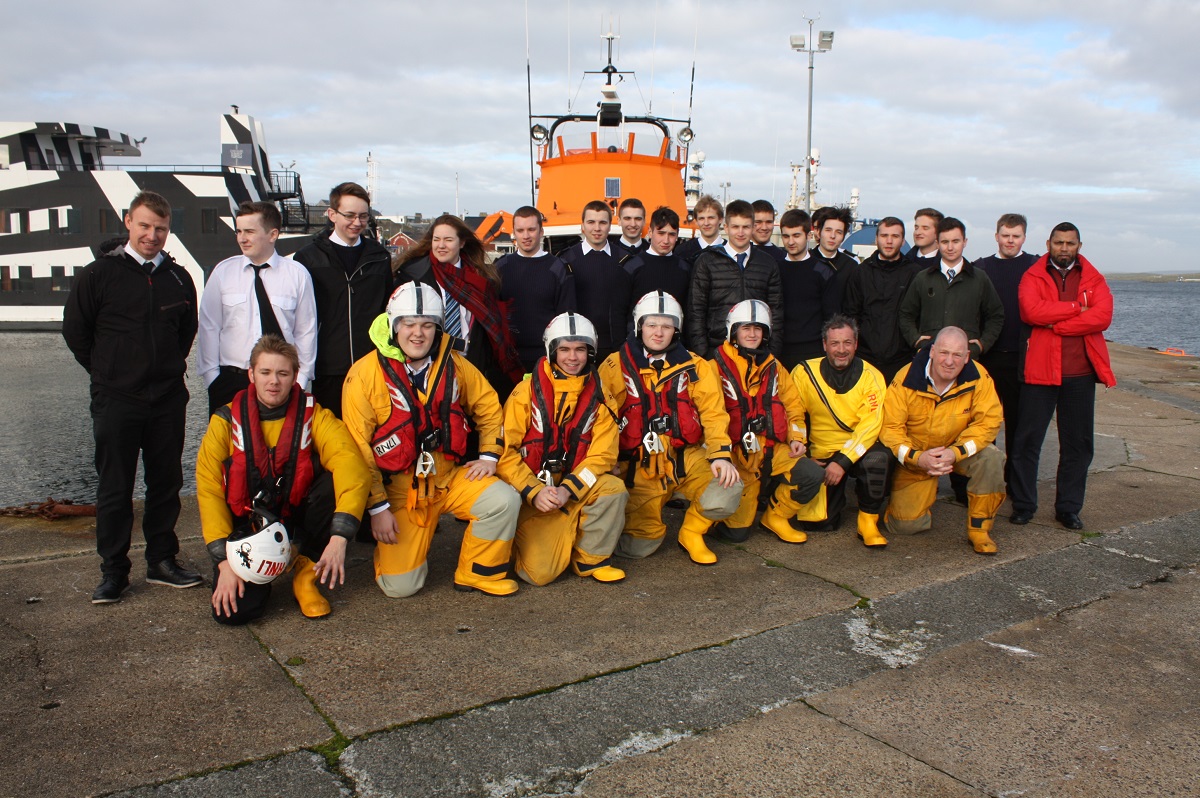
46 442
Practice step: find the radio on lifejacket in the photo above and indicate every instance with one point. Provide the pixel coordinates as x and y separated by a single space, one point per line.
756 424
431 441
555 463
660 424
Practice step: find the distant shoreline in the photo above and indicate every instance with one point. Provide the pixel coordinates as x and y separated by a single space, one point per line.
1150 277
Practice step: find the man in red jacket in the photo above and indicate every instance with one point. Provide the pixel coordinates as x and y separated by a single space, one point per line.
1067 303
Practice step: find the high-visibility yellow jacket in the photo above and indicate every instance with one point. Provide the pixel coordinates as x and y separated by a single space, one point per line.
520 414
841 426
702 385
915 418
331 443
752 381
367 404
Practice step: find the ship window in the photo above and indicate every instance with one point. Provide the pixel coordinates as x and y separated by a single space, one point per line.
176 225
109 222
208 221
58 279
4 229
25 279
51 161
68 221
6 283
612 188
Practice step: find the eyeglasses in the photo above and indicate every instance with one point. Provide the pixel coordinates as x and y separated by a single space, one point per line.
350 217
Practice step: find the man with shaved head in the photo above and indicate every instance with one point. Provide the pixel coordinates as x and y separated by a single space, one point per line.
940 416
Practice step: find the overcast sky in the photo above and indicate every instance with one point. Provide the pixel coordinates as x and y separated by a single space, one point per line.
1080 111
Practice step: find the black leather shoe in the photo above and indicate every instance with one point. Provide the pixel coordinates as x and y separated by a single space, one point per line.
1070 520
172 574
1021 517
110 590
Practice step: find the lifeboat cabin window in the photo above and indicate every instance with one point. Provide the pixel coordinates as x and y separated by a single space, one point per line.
612 188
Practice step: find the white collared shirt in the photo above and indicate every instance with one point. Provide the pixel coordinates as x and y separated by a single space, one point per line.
958 267
587 247
731 252
229 320
720 242
337 239
929 376
632 244
798 260
156 261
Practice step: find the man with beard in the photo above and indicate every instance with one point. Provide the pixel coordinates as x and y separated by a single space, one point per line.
872 300
843 396
1068 304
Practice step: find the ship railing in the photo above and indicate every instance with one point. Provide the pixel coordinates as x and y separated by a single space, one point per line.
104 167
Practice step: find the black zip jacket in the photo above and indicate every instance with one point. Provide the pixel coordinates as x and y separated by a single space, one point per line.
872 298
718 284
131 331
347 304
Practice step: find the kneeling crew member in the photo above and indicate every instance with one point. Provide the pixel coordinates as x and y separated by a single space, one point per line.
276 449
843 395
674 432
410 406
766 420
560 447
940 416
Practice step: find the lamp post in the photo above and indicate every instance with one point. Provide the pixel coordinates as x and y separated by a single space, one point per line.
824 44
724 186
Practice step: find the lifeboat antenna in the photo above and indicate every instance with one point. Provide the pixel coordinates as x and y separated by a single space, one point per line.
529 105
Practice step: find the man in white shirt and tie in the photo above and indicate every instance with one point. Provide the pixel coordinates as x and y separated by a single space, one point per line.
247 296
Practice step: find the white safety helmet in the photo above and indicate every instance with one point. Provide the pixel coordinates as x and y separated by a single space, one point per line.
260 556
415 299
569 327
658 303
749 311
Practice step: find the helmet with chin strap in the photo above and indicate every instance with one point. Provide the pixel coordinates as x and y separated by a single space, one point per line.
415 300
567 327
749 311
658 303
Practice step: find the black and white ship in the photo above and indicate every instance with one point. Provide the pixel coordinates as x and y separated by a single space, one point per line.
59 201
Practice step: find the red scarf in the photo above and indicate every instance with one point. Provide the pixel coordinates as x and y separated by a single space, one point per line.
474 292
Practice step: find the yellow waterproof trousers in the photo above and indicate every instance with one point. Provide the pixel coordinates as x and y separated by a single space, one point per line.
914 492
584 532
490 508
644 527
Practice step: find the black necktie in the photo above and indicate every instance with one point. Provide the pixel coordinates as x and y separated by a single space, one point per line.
148 267
266 314
418 380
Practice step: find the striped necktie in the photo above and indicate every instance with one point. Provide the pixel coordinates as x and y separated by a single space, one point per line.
453 316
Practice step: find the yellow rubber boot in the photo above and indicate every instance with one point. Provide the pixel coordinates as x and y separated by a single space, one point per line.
304 587
868 529
777 522
982 541
601 573
691 537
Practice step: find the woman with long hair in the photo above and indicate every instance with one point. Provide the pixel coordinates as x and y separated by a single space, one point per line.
451 259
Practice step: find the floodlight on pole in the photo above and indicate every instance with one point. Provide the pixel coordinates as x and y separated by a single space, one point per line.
824 44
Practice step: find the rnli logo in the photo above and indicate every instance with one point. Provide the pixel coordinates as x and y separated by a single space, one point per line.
306 435
683 383
727 386
587 425
386 445
398 398
631 385
535 420
236 154
454 393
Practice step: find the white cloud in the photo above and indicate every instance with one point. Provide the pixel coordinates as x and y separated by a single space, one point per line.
1057 109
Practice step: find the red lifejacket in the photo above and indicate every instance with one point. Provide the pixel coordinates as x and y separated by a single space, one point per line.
412 426
742 407
671 398
286 472
545 439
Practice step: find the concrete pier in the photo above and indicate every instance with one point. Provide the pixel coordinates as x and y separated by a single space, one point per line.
1068 664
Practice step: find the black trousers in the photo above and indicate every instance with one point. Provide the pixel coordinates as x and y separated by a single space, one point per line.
1075 403
229 382
327 391
309 530
121 431
872 475
1005 370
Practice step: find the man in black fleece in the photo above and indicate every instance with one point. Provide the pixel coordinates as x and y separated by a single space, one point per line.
805 292
725 275
130 322
352 280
